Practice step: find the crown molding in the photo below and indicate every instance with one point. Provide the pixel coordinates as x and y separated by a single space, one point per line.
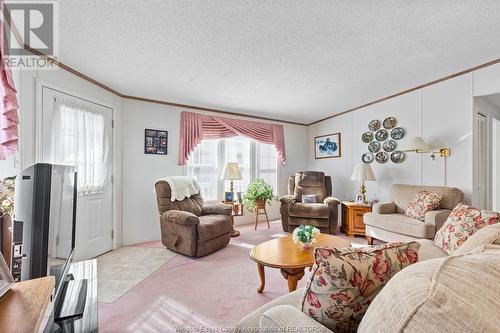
200 108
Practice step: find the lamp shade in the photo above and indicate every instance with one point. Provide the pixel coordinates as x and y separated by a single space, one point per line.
363 172
231 172
416 144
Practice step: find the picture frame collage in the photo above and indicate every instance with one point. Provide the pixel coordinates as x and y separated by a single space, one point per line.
155 142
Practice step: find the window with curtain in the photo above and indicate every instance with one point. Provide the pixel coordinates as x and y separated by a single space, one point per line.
267 160
204 167
207 161
79 138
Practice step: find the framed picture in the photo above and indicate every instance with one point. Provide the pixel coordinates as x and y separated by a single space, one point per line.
327 146
6 280
359 199
240 197
228 197
155 142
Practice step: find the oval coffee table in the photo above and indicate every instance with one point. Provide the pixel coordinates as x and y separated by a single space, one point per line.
289 257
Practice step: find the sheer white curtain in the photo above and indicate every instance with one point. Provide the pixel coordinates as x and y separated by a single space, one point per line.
79 138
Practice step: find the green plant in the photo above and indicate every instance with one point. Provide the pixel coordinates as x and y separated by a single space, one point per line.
259 189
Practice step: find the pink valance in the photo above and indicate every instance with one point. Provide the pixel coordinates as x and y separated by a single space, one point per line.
8 104
196 127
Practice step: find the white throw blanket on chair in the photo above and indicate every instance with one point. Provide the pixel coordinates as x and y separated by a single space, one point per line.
181 187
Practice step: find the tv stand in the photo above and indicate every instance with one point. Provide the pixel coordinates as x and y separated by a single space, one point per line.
79 314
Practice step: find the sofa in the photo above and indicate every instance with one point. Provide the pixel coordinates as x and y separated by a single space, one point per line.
191 227
439 293
323 214
388 223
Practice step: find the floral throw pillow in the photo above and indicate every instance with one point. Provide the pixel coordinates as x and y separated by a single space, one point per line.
345 281
424 202
463 222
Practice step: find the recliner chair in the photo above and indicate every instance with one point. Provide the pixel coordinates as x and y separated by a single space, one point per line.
190 227
323 214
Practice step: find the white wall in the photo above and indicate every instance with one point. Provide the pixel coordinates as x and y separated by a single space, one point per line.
140 212
441 113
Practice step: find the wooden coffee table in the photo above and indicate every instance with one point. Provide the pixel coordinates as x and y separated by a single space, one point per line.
289 257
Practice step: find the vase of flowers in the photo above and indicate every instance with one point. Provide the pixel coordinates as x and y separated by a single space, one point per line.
305 235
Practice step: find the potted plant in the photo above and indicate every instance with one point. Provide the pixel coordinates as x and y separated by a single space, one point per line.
257 194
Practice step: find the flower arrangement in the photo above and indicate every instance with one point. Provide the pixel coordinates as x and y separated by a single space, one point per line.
7 194
258 192
305 234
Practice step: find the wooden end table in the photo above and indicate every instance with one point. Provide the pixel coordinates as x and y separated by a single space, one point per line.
352 218
290 258
237 210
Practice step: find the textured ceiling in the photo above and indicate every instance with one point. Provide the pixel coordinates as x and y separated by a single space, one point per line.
294 60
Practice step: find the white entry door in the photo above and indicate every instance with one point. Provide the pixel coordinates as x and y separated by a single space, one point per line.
77 131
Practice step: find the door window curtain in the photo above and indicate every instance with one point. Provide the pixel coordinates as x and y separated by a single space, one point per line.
196 127
79 138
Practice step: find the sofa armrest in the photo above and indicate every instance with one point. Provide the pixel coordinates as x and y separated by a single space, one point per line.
384 208
180 217
216 208
437 217
287 318
287 199
331 201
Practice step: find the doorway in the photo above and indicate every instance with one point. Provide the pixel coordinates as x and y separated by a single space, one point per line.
495 133
77 131
487 152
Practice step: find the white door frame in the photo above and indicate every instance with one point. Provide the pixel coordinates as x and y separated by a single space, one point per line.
481 109
40 84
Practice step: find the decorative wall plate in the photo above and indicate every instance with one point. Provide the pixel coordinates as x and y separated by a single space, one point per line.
389 122
374 125
381 135
381 157
397 156
367 158
397 133
367 137
389 145
374 146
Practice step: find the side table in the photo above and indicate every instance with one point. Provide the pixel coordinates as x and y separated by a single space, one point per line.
237 210
352 218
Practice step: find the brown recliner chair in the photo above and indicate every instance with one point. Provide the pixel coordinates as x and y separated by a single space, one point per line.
190 227
323 214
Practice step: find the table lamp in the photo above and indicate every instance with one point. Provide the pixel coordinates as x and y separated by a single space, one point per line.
231 172
362 173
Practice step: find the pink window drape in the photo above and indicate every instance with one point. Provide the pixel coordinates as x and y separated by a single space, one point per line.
196 127
8 104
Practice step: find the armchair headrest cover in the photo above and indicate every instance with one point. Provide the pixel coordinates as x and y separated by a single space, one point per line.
192 204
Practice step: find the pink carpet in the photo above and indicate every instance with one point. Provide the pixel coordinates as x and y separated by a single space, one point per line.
215 291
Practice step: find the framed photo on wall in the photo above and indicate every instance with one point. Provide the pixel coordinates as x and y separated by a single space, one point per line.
327 146
155 142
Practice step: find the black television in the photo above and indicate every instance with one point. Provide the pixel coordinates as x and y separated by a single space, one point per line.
45 215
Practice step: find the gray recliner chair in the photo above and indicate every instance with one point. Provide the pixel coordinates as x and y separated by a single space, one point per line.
323 214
